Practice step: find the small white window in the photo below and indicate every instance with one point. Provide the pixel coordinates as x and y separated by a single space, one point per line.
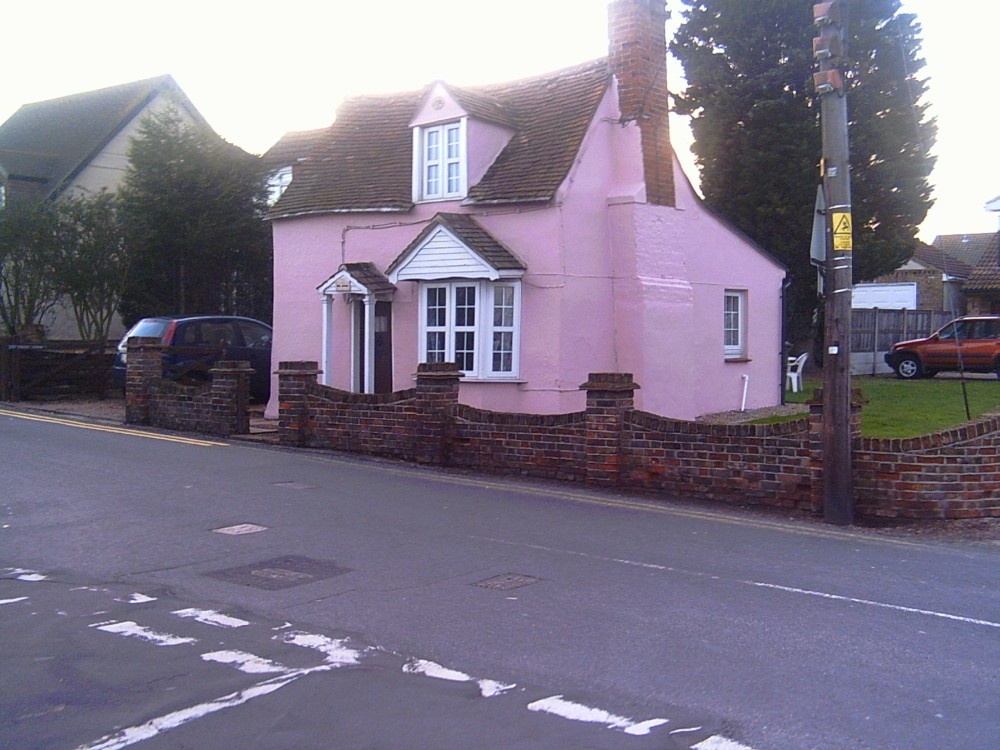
734 324
277 183
473 323
441 161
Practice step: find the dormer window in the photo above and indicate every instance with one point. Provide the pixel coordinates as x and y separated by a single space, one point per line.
441 161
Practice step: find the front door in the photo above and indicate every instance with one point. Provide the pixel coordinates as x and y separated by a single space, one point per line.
381 356
383 347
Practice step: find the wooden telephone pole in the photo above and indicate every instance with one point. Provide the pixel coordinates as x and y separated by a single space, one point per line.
828 49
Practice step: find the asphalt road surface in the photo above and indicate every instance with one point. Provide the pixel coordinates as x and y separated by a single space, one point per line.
164 591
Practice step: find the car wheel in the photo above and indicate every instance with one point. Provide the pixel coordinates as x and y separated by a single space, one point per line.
908 367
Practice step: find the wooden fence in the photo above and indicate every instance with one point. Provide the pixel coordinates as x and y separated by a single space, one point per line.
54 369
874 331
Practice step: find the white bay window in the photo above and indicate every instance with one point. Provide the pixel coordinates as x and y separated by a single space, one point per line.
472 323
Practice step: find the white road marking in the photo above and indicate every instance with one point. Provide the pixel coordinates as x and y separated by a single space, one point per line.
14 601
161 724
335 650
211 617
487 688
139 599
245 662
23 574
760 584
559 706
132 630
718 742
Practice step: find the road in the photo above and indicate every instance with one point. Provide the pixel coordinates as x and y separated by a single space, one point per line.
167 592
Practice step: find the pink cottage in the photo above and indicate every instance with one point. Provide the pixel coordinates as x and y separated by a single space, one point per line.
533 232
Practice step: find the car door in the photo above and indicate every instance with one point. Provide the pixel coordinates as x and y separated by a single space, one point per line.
255 348
941 352
978 351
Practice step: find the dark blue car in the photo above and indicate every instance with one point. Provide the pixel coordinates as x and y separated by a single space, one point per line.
195 343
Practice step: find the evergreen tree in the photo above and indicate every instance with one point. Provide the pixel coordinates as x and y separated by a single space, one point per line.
755 119
193 208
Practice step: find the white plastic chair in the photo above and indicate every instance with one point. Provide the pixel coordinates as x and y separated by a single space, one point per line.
793 372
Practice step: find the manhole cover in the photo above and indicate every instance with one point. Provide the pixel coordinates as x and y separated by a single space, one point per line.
508 581
280 572
240 528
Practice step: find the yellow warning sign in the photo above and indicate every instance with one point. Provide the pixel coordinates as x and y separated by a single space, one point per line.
842 234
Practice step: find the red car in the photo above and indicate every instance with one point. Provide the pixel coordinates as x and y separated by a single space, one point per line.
970 343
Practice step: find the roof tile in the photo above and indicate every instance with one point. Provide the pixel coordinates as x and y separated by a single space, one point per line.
363 162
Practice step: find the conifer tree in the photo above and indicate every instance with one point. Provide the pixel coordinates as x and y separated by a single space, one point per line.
755 120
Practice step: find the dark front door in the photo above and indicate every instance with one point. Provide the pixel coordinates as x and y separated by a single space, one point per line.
383 347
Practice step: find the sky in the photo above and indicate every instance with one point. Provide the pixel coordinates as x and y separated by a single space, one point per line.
256 70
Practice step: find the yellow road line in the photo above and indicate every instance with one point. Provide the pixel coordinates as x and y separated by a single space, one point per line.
109 428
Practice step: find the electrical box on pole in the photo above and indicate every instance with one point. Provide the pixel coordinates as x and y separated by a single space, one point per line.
829 82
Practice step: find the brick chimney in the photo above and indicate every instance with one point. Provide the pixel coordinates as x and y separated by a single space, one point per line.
638 56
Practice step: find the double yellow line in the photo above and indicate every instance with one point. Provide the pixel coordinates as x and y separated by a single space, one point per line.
108 428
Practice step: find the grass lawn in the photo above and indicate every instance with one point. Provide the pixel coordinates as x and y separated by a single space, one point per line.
907 408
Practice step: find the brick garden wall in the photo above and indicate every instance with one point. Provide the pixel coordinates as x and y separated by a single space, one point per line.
220 407
949 474
550 446
952 474
757 464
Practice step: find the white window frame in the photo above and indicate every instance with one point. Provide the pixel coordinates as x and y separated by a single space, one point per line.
734 324
277 183
487 328
449 160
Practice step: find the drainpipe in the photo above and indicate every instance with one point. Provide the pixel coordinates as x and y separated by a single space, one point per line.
785 346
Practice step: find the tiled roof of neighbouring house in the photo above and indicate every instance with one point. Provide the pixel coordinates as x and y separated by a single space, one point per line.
363 162
965 248
985 277
47 143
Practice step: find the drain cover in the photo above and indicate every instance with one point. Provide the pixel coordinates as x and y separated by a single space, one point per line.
280 572
508 581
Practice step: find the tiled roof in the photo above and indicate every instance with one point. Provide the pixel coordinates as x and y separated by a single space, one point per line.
49 142
292 147
936 258
363 162
986 275
370 278
967 248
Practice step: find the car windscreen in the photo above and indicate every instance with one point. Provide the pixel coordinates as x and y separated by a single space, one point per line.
149 327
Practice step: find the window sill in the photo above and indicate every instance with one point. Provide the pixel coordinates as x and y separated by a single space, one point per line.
515 381
737 360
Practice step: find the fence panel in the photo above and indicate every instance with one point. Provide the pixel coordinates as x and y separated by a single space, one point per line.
54 369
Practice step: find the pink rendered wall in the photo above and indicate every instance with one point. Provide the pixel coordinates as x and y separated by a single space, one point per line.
612 284
676 264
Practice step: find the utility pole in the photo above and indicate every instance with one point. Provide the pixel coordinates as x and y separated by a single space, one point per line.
828 49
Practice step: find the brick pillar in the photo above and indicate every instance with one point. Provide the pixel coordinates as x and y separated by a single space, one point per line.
436 397
144 370
815 501
294 380
230 396
609 396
